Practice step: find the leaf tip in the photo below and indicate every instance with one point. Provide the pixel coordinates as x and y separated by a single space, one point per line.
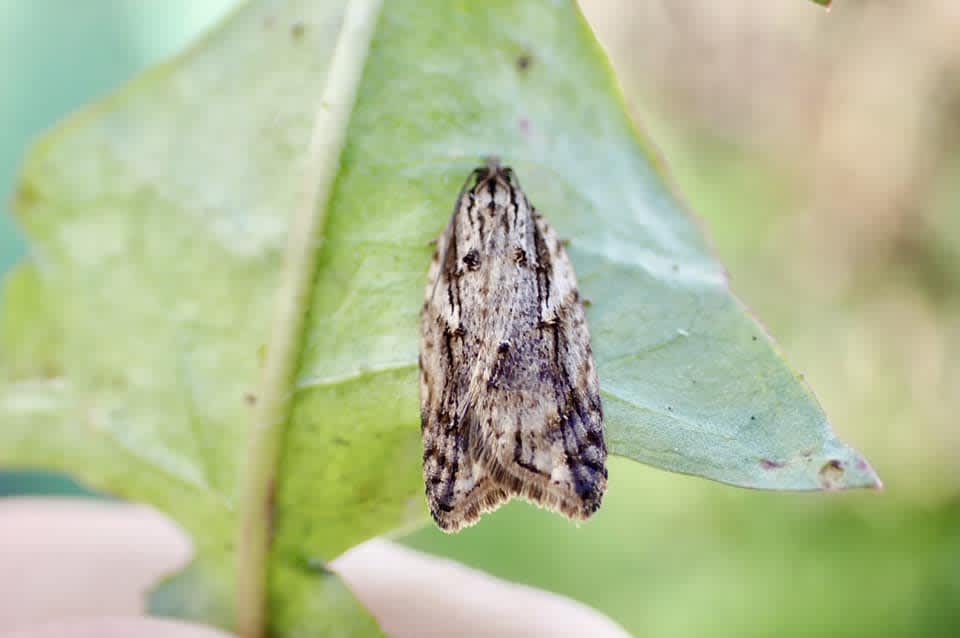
855 472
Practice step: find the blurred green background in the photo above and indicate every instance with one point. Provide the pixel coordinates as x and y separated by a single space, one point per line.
821 149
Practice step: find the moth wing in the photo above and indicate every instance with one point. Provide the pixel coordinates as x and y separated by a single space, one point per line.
459 488
544 440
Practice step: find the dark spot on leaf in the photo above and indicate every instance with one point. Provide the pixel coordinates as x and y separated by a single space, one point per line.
297 30
317 565
754 337
250 398
524 62
339 440
26 197
831 474
51 370
753 418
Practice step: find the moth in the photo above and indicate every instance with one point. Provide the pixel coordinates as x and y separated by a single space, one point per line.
509 396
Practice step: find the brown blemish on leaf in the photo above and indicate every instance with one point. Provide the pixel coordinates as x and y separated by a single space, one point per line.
297 30
26 197
51 370
524 62
831 474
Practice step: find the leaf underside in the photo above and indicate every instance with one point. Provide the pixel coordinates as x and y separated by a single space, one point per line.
131 342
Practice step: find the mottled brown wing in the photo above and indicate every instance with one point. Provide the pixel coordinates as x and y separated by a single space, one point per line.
546 421
458 488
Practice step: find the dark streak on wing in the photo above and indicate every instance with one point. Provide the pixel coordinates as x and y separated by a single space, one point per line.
543 270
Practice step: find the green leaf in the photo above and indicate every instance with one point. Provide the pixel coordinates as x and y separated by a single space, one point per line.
133 341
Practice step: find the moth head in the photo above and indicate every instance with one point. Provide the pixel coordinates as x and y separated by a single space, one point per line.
494 170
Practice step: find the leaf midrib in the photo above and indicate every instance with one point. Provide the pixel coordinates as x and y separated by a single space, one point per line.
265 439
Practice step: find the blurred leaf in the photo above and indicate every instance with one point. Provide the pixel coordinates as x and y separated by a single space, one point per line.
131 344
754 564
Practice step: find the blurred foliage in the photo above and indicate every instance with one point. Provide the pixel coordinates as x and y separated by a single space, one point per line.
87 49
851 258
